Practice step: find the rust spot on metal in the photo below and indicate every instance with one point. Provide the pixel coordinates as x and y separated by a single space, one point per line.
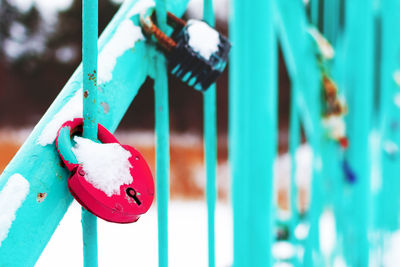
40 197
86 94
92 77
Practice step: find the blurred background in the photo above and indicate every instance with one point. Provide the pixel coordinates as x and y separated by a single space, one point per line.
40 47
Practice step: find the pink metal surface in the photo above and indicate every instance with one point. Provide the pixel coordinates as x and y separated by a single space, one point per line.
133 200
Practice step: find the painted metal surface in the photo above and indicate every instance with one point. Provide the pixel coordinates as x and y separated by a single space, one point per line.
253 130
36 221
210 147
162 139
389 117
299 54
91 106
358 82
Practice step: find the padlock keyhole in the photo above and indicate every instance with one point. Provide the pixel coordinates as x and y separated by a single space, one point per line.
132 193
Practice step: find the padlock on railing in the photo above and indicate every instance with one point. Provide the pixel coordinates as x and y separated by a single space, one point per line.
197 54
129 200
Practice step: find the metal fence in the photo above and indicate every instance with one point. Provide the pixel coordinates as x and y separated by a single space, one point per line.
354 173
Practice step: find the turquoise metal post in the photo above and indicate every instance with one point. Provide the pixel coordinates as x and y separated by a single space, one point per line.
315 12
253 130
34 221
210 147
359 91
299 53
90 113
387 194
162 140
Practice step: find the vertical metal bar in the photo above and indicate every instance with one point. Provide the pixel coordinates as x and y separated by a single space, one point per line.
359 84
331 20
253 130
315 12
162 140
162 157
299 55
90 111
388 201
210 147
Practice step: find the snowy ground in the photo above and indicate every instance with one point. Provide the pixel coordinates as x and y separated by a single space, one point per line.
136 244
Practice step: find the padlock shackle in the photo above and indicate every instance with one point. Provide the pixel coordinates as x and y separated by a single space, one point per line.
64 143
148 25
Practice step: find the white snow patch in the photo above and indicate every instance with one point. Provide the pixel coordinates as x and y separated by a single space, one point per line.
324 47
11 198
304 158
136 243
283 250
106 166
202 38
124 38
335 126
327 230
301 231
71 110
391 256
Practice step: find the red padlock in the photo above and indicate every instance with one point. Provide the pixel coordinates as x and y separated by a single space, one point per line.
133 200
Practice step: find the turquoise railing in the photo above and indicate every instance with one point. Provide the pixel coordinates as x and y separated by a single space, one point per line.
367 45
253 130
90 112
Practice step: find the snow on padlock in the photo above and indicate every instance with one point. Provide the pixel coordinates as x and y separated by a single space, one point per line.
197 53
200 55
119 196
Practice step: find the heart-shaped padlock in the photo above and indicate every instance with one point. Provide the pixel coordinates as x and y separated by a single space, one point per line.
133 199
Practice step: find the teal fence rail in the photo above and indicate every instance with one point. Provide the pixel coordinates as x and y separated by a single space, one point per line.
343 62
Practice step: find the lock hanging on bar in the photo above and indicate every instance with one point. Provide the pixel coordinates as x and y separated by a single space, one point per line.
132 199
197 54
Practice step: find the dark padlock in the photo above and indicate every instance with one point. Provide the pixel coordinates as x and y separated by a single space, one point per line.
132 199
187 59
